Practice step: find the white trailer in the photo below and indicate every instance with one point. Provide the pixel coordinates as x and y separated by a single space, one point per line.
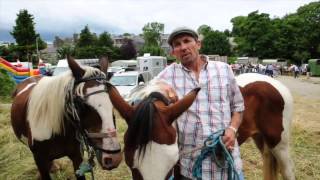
152 64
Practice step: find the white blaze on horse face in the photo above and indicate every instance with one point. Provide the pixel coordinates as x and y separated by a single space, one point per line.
158 160
102 104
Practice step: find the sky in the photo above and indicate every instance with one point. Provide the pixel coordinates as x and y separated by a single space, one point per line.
65 17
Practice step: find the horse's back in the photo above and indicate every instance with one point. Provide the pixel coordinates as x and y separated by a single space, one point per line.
19 106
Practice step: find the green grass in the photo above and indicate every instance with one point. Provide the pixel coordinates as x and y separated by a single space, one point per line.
16 160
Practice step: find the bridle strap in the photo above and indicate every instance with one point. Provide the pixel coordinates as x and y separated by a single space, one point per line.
89 79
95 92
102 135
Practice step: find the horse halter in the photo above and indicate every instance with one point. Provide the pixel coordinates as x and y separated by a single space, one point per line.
79 103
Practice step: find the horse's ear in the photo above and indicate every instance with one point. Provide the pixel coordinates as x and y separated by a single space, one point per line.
77 71
125 110
104 64
175 110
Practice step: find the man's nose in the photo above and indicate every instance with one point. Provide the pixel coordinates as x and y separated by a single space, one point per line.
183 46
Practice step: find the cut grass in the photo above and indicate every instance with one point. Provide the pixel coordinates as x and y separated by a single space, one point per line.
16 161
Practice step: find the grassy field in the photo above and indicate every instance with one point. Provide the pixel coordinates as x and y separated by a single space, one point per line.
16 160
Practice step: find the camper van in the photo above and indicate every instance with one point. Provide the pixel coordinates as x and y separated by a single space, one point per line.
152 64
314 65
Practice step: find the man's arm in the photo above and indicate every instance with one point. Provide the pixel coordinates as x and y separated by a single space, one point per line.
237 108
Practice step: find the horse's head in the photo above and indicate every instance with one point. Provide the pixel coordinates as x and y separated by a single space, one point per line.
150 124
93 115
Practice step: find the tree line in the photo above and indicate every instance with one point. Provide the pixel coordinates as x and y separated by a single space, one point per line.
294 37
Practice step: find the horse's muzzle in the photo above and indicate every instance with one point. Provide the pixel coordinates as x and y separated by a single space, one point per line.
111 161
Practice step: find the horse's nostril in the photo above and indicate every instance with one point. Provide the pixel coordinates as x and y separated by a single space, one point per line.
108 161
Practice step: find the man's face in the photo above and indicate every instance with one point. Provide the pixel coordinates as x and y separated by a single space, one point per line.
186 49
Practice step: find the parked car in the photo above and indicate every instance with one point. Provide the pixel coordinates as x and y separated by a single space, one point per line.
128 82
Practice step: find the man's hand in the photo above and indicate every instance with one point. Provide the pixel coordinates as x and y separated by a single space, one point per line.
170 93
229 139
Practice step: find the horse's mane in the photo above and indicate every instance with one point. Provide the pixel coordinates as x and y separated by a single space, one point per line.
140 127
141 93
48 105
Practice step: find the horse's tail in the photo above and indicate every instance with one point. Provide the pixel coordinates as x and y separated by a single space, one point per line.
270 164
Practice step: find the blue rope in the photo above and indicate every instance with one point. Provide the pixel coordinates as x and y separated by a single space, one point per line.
213 145
84 168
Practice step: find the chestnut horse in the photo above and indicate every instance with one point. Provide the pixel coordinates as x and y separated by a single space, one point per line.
61 115
267 118
150 143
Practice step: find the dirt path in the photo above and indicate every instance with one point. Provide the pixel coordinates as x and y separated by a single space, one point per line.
306 94
308 88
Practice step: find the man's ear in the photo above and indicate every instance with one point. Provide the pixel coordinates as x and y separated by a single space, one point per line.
171 52
199 44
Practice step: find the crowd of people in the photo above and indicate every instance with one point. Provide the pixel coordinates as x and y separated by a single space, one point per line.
272 70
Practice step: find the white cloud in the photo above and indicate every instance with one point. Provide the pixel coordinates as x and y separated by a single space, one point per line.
119 16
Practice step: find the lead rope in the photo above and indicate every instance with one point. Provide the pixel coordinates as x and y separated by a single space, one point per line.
82 137
213 145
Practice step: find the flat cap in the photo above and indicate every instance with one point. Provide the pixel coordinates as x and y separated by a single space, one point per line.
181 30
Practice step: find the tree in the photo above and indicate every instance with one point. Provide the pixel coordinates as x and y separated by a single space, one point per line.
215 42
255 35
24 32
153 50
65 50
152 33
26 36
128 50
204 29
105 40
152 39
309 30
86 38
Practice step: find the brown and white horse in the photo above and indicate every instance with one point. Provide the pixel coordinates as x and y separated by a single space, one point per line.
151 148
59 115
267 119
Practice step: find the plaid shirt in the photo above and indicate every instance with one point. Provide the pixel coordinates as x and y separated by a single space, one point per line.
210 112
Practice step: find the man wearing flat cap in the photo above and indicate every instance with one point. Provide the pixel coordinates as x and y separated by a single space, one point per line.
218 106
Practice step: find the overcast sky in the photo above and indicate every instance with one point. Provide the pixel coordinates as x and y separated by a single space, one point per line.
64 17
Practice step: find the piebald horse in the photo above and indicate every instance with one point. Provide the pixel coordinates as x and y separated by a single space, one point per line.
267 118
150 143
59 116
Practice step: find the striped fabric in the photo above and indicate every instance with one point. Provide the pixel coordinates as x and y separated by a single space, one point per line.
210 112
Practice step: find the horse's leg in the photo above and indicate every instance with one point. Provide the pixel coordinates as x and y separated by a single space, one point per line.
282 154
269 161
76 159
176 171
43 166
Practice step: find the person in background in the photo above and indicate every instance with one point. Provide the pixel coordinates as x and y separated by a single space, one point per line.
308 71
296 71
218 106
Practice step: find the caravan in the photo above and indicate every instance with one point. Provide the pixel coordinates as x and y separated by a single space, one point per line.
152 64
